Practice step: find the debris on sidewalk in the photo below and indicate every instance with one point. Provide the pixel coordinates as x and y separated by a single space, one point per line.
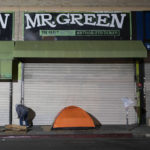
2 129
15 128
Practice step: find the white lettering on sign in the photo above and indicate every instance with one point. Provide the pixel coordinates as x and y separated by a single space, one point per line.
46 20
39 20
3 21
103 20
65 20
89 19
113 20
33 23
76 19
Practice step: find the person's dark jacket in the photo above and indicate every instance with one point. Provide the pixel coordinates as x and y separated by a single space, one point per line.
21 110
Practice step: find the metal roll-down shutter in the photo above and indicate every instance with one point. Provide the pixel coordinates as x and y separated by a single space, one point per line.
97 88
4 102
147 89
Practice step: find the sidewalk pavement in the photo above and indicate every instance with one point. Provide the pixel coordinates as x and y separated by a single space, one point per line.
105 131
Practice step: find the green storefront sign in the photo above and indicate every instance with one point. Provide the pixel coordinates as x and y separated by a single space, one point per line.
79 33
77 26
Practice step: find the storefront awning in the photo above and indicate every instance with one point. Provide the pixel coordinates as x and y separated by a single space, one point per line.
80 49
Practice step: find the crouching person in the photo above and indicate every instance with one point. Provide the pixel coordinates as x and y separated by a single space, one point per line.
22 112
25 114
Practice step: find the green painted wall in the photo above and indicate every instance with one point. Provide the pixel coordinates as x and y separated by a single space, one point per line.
5 69
6 56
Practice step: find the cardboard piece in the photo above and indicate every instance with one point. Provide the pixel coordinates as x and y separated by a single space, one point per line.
13 127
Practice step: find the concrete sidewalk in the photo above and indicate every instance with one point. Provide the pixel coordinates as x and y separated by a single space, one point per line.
116 131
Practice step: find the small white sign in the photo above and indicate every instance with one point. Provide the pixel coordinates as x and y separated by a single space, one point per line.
127 102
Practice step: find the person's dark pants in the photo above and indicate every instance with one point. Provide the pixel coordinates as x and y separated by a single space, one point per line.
31 116
24 118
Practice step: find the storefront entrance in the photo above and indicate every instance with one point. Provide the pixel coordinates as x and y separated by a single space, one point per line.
97 88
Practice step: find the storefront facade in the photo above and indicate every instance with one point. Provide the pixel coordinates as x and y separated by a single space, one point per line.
6 35
84 59
88 80
142 32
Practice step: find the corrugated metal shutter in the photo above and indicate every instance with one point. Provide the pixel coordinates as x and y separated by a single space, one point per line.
4 102
147 89
97 88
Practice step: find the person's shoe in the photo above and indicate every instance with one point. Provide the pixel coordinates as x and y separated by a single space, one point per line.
30 126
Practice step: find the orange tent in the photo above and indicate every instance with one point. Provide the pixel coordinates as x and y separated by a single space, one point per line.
73 117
